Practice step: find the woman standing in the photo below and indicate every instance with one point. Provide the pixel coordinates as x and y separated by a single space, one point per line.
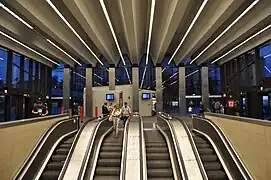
115 117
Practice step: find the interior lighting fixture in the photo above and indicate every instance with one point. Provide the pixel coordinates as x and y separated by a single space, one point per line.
248 39
48 40
173 83
73 30
189 29
225 30
267 56
27 47
267 69
144 72
15 15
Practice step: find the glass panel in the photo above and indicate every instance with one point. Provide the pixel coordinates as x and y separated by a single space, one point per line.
78 82
192 81
2 108
16 71
265 54
214 81
57 81
34 71
26 73
3 67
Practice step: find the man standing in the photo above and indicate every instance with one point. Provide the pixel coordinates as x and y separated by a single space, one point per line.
105 110
126 113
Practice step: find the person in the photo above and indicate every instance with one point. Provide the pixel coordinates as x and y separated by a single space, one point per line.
105 110
110 108
40 109
222 109
115 118
217 107
125 113
190 107
201 109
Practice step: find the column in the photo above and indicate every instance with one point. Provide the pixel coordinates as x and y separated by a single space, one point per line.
182 91
66 87
205 86
135 87
112 70
159 88
259 67
88 100
49 88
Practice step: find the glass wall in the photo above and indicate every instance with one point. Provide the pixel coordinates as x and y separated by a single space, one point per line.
16 71
26 73
214 81
57 88
192 81
2 108
3 67
124 72
265 54
78 83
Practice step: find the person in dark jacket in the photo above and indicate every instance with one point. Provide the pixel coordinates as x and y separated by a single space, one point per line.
105 110
201 109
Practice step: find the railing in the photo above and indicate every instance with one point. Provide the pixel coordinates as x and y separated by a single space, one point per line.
143 152
124 151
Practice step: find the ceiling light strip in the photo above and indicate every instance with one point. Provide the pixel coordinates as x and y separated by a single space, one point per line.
248 39
73 30
267 69
150 30
221 34
15 15
127 73
27 47
267 56
48 40
144 72
189 29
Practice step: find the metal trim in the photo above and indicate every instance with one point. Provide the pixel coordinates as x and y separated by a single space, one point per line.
143 151
124 151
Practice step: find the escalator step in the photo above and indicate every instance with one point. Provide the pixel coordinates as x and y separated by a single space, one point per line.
108 171
200 141
65 145
203 145
69 141
55 165
157 150
63 151
153 144
50 175
212 166
208 158
59 157
111 148
106 177
203 151
160 178
156 156
159 164
109 162
160 173
112 144
216 175
110 155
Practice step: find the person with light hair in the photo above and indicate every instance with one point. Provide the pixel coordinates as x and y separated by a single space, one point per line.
115 118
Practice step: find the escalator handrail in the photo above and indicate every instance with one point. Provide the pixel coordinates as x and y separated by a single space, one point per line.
32 155
143 152
77 136
192 142
124 150
45 162
241 166
177 149
170 152
89 148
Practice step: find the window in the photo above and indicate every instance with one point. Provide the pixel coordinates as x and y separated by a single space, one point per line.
16 71
3 67
57 81
214 81
78 82
2 108
26 73
265 54
192 81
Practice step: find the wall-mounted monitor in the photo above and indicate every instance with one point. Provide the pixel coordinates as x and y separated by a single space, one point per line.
110 97
146 95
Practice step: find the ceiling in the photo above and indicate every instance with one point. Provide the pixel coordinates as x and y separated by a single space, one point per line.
87 35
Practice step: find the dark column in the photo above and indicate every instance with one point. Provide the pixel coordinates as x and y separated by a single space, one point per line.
88 91
247 82
222 77
135 86
66 87
49 88
182 100
9 85
205 86
112 84
259 67
254 102
21 86
30 77
159 88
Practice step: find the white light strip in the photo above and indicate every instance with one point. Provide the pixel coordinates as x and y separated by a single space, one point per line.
170 77
173 83
98 76
79 75
189 29
27 47
71 28
128 75
192 73
112 29
1 59
267 56
164 69
48 40
267 69
143 77
191 97
221 34
150 30
248 39
15 15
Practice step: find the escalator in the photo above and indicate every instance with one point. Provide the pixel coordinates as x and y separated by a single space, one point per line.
109 160
159 165
209 158
56 162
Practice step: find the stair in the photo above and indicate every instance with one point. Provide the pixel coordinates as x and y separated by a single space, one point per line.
209 158
55 164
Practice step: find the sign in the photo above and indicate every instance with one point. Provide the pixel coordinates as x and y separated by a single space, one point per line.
231 103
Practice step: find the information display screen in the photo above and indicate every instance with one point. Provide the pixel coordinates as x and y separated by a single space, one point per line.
146 96
109 97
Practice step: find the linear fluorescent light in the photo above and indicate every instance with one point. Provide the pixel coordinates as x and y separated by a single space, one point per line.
1 59
79 75
189 29
150 30
144 72
27 47
170 77
73 30
221 34
267 69
15 15
128 75
191 73
251 37
267 56
48 40
173 83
